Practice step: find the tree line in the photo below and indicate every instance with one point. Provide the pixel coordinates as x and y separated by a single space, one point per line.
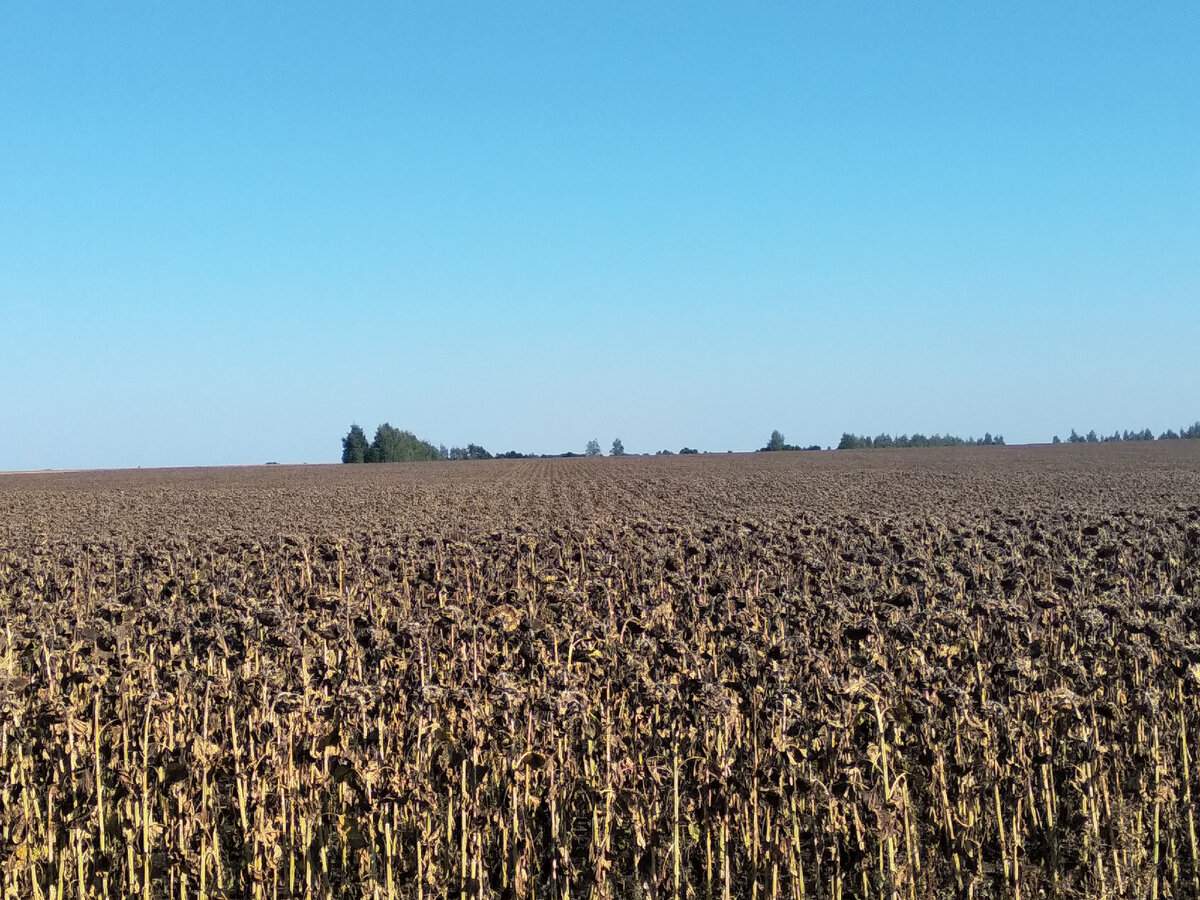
392 444
395 445
1189 432
886 441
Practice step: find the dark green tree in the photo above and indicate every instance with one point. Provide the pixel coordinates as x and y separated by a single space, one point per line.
355 446
593 448
618 449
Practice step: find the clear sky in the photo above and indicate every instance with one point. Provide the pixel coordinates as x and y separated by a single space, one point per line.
228 230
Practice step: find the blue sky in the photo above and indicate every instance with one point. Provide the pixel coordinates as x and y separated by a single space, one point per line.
228 230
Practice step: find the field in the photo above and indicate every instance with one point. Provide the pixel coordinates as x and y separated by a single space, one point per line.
893 674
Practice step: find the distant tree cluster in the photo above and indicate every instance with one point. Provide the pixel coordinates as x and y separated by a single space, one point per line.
1190 432
393 445
390 445
471 451
886 441
777 443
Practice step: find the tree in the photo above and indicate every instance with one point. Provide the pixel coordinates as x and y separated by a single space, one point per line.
355 446
393 445
618 449
593 448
